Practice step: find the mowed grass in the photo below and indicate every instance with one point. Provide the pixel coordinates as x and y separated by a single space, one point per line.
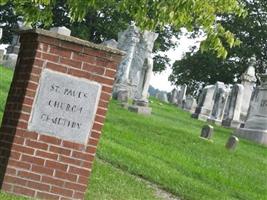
165 149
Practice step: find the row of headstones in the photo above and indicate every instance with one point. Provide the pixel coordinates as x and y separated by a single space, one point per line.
242 106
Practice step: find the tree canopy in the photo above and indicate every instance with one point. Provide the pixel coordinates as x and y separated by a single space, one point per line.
148 14
207 68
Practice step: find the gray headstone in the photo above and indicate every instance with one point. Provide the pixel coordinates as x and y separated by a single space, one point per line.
64 106
122 96
232 142
207 132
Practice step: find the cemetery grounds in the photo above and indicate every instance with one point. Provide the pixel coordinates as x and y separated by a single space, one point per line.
139 156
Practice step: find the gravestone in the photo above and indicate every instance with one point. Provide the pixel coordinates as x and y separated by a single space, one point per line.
174 96
248 80
1 33
127 42
232 142
220 98
233 107
255 127
205 103
11 56
135 70
54 115
122 96
190 104
207 132
182 95
162 96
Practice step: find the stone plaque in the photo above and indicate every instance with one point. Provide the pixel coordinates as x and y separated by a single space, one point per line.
64 106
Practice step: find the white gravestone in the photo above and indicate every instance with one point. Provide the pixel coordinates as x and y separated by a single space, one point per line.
182 95
190 104
205 103
248 80
220 98
64 106
173 96
231 116
255 128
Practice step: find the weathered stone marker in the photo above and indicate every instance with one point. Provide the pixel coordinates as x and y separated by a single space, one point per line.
232 142
207 132
54 114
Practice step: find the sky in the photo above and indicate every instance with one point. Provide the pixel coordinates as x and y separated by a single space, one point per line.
160 81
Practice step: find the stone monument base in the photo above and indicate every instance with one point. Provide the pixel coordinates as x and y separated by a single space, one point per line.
200 117
214 121
231 123
140 109
256 135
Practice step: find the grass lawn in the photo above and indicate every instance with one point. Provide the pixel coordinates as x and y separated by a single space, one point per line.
165 149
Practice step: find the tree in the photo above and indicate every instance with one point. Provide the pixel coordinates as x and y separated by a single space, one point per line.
148 14
206 68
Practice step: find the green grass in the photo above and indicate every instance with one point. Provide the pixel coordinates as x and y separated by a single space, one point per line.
165 149
5 80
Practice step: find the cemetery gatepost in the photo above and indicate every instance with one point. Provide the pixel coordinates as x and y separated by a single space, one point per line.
54 113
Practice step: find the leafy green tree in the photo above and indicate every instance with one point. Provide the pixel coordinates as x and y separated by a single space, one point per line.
148 14
207 68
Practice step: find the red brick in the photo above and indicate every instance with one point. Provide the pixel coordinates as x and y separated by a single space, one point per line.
93 69
45 195
83 180
75 186
105 96
32 159
97 126
71 46
11 171
56 165
15 155
87 165
84 58
69 160
50 57
71 63
59 51
103 80
37 145
43 47
42 170
107 89
6 187
46 155
110 73
78 195
26 108
99 119
32 86
79 73
38 186
66 176
24 191
26 134
14 180
94 52
73 145
60 150
103 104
83 156
113 65
29 175
79 171
62 191
49 40
19 164
38 62
23 149
101 111
52 181
95 135
18 140
93 141
30 93
91 149
49 139
56 67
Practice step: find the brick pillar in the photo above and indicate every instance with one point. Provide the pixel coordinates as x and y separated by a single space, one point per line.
46 165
